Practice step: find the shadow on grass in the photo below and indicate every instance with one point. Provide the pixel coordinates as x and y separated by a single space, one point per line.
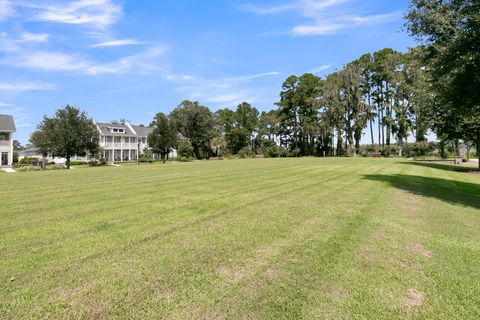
441 166
451 191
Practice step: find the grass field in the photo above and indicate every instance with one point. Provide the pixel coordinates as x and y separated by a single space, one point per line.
242 239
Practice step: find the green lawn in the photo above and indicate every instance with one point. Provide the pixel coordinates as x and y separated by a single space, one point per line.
250 239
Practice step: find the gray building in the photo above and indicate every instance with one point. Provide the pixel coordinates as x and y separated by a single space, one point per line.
7 129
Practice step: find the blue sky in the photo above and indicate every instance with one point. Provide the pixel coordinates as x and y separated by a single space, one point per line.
130 59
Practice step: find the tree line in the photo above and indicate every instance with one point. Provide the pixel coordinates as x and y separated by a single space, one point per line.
434 86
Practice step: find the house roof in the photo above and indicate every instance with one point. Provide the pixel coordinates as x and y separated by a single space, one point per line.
142 131
6 123
105 129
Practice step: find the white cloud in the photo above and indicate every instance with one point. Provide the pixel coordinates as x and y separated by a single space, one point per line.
6 9
321 68
25 86
326 17
50 61
334 25
326 28
306 7
33 37
116 43
145 62
270 9
97 13
223 91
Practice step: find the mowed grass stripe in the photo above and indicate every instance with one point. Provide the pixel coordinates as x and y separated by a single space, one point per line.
293 238
186 248
115 202
58 241
116 181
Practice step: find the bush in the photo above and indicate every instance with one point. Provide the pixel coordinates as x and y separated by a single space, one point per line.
29 161
37 168
185 149
246 152
270 149
98 162
144 159
55 167
28 168
185 159
77 163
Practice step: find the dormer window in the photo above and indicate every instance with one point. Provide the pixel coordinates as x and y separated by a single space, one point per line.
117 130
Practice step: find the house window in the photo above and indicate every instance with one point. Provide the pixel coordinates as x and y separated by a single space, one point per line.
3 136
117 130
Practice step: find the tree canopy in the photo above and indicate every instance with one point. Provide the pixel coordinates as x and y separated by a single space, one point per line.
70 132
163 136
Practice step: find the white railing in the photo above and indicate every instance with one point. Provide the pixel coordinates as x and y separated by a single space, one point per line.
5 143
118 145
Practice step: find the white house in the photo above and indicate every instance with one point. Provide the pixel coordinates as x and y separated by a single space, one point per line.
119 143
7 128
123 142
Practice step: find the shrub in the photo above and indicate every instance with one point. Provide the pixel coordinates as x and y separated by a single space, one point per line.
283 152
28 168
97 163
144 159
268 149
55 167
185 149
185 159
28 161
246 152
77 162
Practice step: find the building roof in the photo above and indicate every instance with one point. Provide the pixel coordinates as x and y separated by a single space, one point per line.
142 131
105 129
6 123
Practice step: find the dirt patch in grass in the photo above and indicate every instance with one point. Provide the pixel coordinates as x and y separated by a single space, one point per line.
420 249
338 293
414 299
230 273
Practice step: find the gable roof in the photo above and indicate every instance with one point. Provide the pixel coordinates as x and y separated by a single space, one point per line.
7 123
105 129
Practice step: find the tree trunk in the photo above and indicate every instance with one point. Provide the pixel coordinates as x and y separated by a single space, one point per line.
371 132
442 149
68 162
400 147
478 150
457 147
388 127
379 129
383 130
196 151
